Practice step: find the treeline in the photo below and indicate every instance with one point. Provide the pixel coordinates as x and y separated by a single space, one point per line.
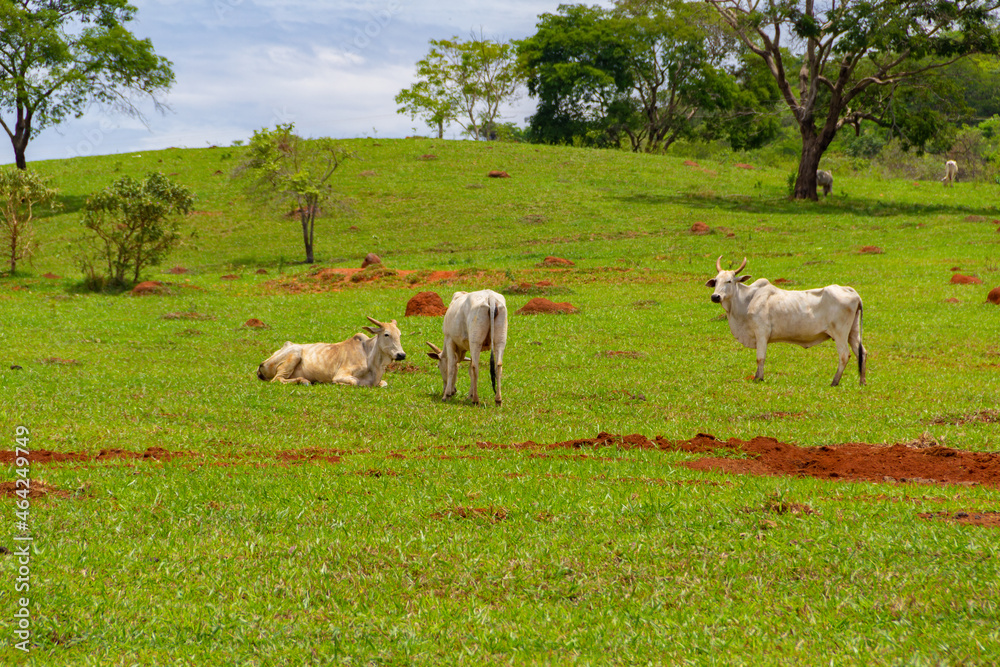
645 74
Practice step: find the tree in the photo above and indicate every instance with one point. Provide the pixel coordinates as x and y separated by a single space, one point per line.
134 224
20 192
59 56
463 82
651 72
839 64
284 166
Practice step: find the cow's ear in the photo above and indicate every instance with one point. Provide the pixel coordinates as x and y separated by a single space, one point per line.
710 283
743 279
434 355
373 331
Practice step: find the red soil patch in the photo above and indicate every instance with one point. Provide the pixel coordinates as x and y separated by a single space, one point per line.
849 462
36 489
426 303
871 250
781 281
744 166
691 163
46 456
314 454
438 276
959 279
554 261
229 276
254 323
261 272
990 519
50 276
700 228
540 305
57 361
994 296
370 258
498 174
178 270
149 287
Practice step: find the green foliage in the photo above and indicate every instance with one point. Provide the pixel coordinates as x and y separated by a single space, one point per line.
462 82
282 166
133 225
59 56
21 191
862 61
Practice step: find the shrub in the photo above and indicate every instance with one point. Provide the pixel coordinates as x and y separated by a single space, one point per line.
21 190
133 225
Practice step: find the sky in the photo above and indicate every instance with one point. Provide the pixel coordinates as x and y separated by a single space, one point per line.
332 68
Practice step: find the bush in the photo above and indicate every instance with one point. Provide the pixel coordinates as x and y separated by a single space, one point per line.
133 225
21 190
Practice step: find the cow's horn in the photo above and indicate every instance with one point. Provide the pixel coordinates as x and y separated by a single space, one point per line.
718 264
741 266
434 348
376 322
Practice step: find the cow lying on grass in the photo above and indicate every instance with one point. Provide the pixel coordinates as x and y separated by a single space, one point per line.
474 322
761 313
359 360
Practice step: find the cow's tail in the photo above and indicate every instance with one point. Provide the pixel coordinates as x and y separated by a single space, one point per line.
862 355
493 362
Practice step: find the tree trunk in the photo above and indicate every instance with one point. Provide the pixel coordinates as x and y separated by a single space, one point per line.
19 140
805 181
306 234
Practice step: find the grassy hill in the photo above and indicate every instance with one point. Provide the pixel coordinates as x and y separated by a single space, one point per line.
206 517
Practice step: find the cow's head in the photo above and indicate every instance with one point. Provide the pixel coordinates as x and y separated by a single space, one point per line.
438 355
725 282
388 338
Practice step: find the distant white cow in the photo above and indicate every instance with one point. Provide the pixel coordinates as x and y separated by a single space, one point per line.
761 313
825 179
474 322
359 360
950 172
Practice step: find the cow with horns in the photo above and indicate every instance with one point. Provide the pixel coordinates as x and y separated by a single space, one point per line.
761 313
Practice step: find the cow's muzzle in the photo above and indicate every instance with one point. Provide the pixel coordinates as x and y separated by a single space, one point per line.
716 298
401 356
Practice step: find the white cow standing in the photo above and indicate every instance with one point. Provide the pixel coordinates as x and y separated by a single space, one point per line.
473 323
950 172
761 313
825 179
359 360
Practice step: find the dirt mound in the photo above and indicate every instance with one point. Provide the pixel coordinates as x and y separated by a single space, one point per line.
994 296
50 276
542 305
46 456
426 303
767 456
871 250
178 270
254 323
370 258
261 272
229 276
700 228
959 279
498 174
554 261
149 287
36 489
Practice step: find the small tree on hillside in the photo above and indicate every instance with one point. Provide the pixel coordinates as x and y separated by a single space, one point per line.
463 82
20 192
283 166
134 224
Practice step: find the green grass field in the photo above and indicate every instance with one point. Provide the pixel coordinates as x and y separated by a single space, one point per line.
244 550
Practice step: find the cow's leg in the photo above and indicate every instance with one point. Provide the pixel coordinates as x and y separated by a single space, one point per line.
287 366
844 353
761 355
345 379
474 352
497 360
451 379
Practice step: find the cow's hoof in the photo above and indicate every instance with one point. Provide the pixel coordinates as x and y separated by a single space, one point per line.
499 401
